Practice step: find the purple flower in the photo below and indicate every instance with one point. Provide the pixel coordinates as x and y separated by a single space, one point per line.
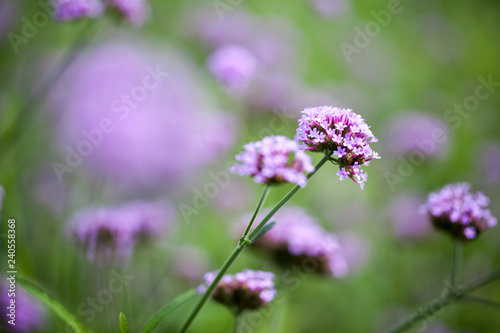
418 132
346 136
30 313
233 66
137 118
490 163
67 10
455 210
110 234
134 11
298 240
403 212
247 290
273 160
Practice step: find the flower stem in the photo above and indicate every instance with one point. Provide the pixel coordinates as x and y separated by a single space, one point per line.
285 199
456 266
241 246
263 197
451 295
236 327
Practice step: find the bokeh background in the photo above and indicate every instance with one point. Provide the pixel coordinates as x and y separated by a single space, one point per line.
406 75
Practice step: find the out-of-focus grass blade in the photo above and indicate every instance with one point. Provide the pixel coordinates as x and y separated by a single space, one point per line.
262 231
158 317
123 323
54 305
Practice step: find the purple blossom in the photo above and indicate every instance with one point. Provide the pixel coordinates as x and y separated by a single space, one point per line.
160 128
30 313
273 160
134 11
416 131
110 234
403 213
490 163
67 10
234 66
298 240
346 136
247 290
459 212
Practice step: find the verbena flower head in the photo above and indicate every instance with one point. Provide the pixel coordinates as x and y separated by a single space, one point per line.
30 314
459 212
298 240
247 290
234 66
341 132
67 10
274 160
134 11
109 235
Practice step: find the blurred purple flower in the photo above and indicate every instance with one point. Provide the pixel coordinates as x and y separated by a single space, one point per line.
405 216
298 240
29 312
273 160
490 163
331 8
247 290
415 131
355 249
134 11
109 235
137 117
341 132
233 66
67 10
457 211
190 262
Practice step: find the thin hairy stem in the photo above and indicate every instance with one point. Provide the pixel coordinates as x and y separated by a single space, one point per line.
456 266
262 199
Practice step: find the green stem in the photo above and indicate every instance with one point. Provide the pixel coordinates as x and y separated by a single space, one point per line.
286 198
242 244
263 197
456 267
450 296
236 327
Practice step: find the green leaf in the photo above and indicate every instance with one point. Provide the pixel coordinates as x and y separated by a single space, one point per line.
158 317
123 323
254 236
54 305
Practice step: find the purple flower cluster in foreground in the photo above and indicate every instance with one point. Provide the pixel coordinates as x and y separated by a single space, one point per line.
298 240
29 312
247 290
274 160
341 132
457 211
134 11
234 66
110 234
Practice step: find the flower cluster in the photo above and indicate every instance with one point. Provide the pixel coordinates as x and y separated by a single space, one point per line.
298 240
234 66
110 234
341 132
134 11
274 160
457 211
247 290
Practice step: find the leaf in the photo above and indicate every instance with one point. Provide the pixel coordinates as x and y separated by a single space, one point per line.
123 323
158 317
54 305
262 231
